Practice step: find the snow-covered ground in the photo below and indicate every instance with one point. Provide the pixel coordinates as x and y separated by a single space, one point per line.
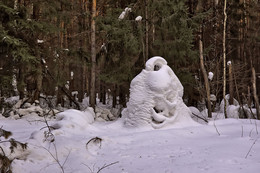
156 134
82 147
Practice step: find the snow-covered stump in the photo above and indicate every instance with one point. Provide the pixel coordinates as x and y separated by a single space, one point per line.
156 98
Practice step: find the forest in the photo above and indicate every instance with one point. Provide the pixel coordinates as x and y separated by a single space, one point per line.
66 50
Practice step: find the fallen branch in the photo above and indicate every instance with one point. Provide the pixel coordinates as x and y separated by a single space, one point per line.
200 117
64 91
216 128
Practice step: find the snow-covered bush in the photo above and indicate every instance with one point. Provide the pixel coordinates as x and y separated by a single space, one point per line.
156 97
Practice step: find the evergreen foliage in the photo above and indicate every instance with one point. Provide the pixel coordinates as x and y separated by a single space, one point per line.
121 37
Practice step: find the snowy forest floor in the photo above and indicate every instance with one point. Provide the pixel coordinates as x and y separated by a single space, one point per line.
226 145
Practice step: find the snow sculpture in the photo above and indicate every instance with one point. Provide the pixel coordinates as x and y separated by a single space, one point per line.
156 98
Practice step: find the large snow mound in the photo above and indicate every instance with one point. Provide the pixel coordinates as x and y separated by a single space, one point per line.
156 98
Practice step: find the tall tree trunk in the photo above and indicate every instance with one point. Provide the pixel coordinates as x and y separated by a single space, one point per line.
199 9
255 94
224 57
205 76
93 56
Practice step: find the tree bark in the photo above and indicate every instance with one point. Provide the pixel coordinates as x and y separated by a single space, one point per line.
255 94
231 85
146 32
205 76
93 56
224 57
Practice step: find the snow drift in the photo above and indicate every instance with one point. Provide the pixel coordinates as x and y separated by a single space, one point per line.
156 98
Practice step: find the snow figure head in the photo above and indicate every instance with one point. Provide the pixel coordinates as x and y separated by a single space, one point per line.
156 97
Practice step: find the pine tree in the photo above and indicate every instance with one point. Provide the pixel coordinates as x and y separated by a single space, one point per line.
122 46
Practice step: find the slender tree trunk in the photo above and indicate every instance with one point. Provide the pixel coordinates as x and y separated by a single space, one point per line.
205 76
104 94
224 57
122 98
255 94
93 56
146 31
114 96
231 85
238 97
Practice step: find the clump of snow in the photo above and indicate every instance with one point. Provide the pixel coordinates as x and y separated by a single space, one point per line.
124 13
67 85
138 18
127 9
30 109
222 104
210 76
229 63
74 93
43 61
71 75
39 41
213 97
74 119
103 47
156 98
233 111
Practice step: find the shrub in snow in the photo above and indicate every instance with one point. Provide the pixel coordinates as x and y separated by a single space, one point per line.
10 149
156 97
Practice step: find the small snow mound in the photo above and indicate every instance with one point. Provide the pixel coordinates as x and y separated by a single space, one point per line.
74 119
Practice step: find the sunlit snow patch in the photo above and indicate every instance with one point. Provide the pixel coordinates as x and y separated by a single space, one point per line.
156 98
